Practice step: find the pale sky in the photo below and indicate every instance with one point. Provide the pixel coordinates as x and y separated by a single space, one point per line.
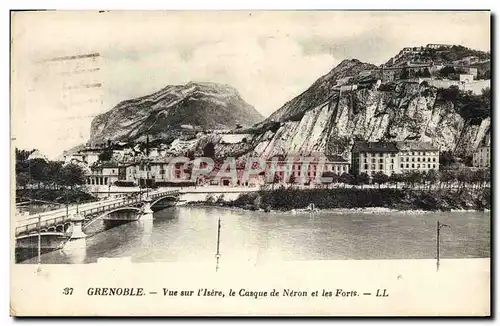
269 57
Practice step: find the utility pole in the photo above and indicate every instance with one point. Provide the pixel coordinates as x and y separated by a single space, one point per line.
39 241
66 200
438 231
217 254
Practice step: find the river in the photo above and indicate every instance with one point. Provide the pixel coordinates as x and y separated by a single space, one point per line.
188 234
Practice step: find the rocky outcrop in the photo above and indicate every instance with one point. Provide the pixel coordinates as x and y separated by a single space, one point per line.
326 119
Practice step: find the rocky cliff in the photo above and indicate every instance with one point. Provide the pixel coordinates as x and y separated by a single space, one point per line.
326 119
194 105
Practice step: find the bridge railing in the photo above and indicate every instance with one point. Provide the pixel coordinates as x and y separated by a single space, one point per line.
104 208
34 226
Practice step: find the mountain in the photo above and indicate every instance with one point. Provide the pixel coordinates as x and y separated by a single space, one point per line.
321 91
328 118
195 105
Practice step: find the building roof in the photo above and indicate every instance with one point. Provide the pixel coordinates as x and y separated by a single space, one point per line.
336 159
414 145
364 146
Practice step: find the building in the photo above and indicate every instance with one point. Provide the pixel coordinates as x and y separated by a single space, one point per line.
481 157
417 156
88 157
437 46
106 173
303 169
393 157
373 157
466 78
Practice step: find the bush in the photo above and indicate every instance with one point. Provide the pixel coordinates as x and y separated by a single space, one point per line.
124 183
175 184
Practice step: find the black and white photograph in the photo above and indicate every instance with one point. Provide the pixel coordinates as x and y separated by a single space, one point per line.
216 139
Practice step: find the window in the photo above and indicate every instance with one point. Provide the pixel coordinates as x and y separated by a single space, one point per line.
392 166
407 159
428 166
434 166
381 166
418 159
402 165
373 160
380 155
381 160
393 155
433 159
407 165
366 166
424 153
428 159
413 159
412 166
418 166
392 160
373 166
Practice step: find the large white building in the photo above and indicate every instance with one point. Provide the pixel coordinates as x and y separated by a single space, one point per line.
393 157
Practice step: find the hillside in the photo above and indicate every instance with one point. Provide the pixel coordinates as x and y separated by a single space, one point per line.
194 106
326 120
321 91
449 54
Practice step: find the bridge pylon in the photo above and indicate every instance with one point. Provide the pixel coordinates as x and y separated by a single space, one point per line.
147 212
77 236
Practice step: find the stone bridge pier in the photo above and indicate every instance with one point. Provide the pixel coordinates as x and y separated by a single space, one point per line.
77 236
147 212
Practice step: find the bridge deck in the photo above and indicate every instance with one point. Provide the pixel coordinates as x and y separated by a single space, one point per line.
60 216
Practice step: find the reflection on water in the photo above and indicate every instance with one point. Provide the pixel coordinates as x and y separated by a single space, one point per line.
188 234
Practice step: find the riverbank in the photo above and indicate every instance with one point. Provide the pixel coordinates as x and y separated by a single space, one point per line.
359 200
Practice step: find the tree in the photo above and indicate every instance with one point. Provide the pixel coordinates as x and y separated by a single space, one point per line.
22 154
72 175
38 170
396 178
190 155
329 177
405 74
363 179
53 172
209 150
446 177
276 179
445 72
426 73
431 176
347 178
449 94
22 179
411 178
106 155
446 158
463 177
380 178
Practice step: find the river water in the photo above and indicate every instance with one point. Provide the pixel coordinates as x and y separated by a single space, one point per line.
189 234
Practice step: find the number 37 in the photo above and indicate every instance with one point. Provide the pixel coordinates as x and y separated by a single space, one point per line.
68 291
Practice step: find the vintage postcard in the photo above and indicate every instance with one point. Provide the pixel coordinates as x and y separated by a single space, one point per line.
250 163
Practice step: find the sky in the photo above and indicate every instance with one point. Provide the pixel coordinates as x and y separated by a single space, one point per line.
269 57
